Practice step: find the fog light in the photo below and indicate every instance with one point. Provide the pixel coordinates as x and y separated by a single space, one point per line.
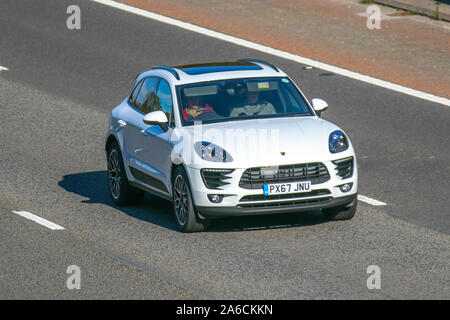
346 187
215 198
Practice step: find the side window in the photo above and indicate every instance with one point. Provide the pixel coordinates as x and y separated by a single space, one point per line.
135 92
163 100
146 95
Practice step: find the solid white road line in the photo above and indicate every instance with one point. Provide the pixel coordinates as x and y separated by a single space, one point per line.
370 201
3 68
41 221
276 52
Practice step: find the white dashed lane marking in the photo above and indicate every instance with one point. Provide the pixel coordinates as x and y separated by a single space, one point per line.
371 201
54 226
39 220
3 68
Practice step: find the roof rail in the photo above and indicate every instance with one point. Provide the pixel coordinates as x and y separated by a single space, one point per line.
171 70
262 62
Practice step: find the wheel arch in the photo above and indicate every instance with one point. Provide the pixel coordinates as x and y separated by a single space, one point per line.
172 171
110 140
175 166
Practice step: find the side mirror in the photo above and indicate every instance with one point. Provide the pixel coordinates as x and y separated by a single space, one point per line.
319 105
156 118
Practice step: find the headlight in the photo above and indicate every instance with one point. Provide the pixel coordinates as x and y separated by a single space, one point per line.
337 142
210 152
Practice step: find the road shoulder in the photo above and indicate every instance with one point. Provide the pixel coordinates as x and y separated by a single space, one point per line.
411 51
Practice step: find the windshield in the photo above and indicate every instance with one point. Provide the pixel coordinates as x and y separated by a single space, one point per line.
240 99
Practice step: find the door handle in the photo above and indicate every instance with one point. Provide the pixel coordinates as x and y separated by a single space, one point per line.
144 132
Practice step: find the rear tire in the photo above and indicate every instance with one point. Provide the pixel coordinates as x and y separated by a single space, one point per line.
346 212
186 217
120 190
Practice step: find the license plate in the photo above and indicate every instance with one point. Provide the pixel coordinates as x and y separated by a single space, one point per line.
282 188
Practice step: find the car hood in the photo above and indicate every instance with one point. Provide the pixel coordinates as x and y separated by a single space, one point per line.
266 141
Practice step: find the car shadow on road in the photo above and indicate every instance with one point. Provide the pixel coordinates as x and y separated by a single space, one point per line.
92 185
266 222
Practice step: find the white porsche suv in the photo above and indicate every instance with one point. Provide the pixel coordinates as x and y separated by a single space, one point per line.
228 139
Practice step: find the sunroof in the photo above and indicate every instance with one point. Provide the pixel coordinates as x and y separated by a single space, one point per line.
201 68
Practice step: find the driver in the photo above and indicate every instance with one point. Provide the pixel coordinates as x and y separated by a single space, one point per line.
254 106
195 107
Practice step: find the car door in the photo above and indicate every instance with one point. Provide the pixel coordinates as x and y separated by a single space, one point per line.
138 107
156 142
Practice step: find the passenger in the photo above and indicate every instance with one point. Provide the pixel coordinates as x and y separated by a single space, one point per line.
253 106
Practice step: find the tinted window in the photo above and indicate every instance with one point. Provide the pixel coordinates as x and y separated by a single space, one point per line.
293 102
239 99
146 96
135 93
163 100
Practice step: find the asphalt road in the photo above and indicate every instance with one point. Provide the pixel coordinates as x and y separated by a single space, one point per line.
55 101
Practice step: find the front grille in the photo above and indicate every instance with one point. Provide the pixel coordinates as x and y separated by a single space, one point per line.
261 197
216 178
255 178
344 167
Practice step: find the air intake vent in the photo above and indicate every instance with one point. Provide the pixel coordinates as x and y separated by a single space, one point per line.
261 197
344 167
216 178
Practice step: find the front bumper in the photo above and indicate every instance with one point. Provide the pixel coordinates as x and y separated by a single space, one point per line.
238 201
217 212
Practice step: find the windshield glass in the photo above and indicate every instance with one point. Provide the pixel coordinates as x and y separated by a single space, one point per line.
240 99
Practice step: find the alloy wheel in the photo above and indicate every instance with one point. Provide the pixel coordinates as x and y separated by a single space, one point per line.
114 174
181 200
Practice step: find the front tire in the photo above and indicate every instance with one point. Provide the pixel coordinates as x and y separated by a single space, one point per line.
346 212
118 186
185 216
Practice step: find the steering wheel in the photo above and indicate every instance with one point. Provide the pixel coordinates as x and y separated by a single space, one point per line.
203 109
